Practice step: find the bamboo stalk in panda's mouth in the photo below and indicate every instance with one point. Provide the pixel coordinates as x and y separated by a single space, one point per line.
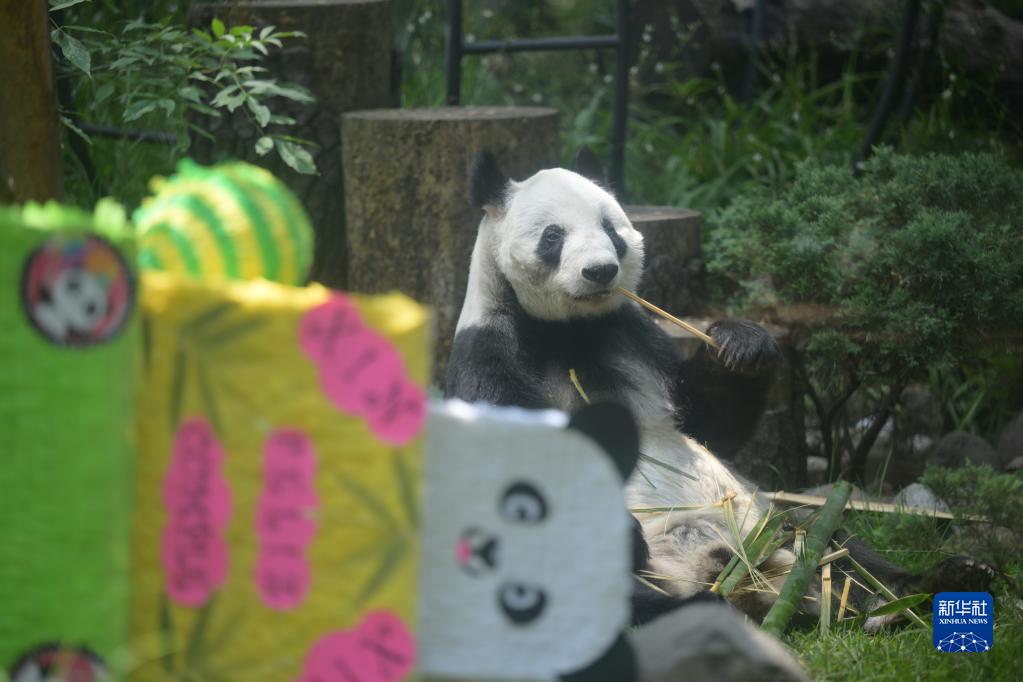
669 317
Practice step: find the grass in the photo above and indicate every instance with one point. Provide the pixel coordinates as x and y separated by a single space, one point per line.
907 654
917 543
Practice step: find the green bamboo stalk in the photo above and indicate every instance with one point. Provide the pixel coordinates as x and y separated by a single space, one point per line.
755 552
817 539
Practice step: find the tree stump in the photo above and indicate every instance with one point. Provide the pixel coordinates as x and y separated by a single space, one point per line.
410 224
774 457
346 63
30 158
673 271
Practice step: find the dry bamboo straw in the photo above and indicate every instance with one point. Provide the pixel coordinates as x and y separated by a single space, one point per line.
825 606
845 599
669 317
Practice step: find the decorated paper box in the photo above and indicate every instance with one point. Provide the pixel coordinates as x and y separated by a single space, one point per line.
69 342
276 532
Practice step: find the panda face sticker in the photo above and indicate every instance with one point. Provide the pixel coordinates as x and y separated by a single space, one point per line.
525 560
564 244
77 291
58 663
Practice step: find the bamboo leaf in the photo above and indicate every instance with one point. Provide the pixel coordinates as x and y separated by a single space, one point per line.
220 336
209 403
198 634
410 501
167 631
390 561
899 605
367 498
178 387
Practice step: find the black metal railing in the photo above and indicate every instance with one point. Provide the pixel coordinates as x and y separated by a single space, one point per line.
456 48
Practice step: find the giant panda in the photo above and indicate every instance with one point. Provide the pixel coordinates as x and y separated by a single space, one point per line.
540 304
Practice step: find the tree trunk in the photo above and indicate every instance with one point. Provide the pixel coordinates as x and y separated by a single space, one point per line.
346 62
672 270
410 225
30 157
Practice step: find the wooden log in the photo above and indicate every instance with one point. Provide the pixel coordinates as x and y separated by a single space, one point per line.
346 62
410 224
673 271
30 158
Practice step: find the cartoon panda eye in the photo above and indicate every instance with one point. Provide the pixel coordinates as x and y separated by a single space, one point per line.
523 503
553 234
521 603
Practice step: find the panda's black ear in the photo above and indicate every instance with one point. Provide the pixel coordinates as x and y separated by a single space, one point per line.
589 166
614 429
487 182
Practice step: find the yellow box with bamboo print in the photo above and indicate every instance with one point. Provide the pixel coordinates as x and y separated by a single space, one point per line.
278 481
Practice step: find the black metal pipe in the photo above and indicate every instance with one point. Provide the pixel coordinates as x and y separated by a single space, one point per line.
933 32
620 111
893 84
756 39
539 44
453 51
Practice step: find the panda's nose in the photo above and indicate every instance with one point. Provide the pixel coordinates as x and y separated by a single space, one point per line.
601 274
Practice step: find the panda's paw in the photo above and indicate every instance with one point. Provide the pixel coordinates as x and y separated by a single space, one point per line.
744 347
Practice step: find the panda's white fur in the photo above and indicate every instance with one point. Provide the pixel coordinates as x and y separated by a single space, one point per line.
682 543
507 239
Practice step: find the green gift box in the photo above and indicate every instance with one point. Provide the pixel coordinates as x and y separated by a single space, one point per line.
69 347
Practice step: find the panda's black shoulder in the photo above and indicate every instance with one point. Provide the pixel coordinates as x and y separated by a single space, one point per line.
485 365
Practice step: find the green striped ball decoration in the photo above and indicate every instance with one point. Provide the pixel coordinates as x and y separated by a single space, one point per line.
231 221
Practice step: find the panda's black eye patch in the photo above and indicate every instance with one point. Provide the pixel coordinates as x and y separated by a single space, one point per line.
616 239
551 241
522 502
521 603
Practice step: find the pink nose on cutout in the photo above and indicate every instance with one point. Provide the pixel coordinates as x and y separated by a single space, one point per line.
463 551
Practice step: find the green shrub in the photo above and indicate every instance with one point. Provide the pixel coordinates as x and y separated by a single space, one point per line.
979 491
903 269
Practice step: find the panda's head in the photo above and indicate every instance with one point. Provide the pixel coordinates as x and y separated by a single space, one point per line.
562 241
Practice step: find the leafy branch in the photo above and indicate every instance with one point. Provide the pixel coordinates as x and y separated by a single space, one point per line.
161 73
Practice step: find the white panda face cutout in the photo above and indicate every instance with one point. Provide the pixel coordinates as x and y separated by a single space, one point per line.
525 569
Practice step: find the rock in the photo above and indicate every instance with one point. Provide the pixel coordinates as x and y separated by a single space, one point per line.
906 462
1010 443
919 495
1015 465
710 641
816 469
959 447
918 412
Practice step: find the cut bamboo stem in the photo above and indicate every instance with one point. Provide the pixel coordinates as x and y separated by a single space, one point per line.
817 539
669 317
825 599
